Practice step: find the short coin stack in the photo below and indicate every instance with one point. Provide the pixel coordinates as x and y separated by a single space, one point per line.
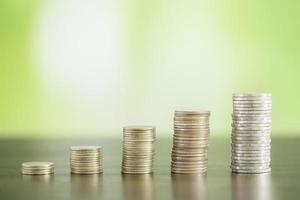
86 159
251 133
37 168
138 149
190 142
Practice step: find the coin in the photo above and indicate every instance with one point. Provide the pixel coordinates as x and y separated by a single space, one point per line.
86 159
37 168
138 149
190 142
251 133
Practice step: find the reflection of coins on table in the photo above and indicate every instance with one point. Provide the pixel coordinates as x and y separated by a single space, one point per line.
190 142
189 186
86 159
251 133
138 149
137 187
37 168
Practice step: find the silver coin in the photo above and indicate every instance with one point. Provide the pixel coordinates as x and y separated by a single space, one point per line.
250 167
192 112
85 148
188 145
188 154
176 157
258 133
251 105
178 171
260 126
139 128
251 163
191 125
251 158
189 163
252 98
188 168
251 142
192 134
264 122
252 119
252 171
37 165
251 136
178 121
251 109
249 154
245 137
250 149
257 102
187 139
252 95
240 128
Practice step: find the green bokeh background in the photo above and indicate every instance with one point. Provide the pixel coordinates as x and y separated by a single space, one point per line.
175 54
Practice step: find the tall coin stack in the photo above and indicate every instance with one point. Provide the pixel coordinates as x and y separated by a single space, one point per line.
251 133
190 142
138 149
86 159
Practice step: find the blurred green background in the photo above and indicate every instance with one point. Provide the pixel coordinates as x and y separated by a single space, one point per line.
86 68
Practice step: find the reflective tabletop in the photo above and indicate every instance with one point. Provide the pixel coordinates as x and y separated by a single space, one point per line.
218 183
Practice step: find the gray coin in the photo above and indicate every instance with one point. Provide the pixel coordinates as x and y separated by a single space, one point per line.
252 98
194 112
260 122
236 139
253 120
250 149
192 135
251 132
251 105
139 128
251 163
252 95
251 128
248 136
178 171
251 152
251 109
252 171
37 164
85 148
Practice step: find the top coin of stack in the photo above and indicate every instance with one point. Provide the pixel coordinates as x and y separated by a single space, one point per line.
37 168
190 142
138 149
251 133
86 159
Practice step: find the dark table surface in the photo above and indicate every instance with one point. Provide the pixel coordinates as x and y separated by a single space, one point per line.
219 183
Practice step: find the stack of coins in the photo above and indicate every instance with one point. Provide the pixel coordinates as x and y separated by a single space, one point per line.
138 149
251 133
190 142
86 159
37 168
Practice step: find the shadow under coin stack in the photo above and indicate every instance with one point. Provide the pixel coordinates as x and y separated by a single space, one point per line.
37 168
86 159
190 142
251 133
138 149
